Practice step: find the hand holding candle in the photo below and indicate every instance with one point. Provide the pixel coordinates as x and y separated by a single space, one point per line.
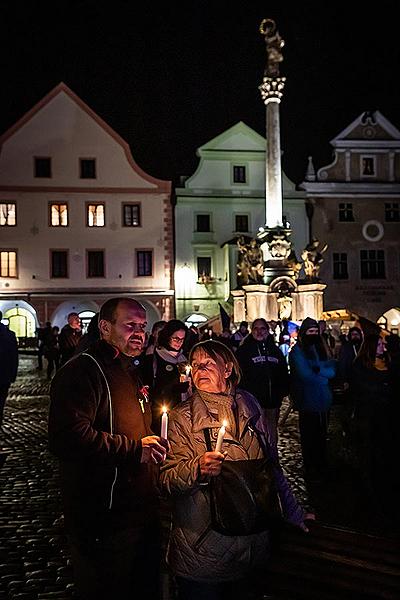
164 423
220 438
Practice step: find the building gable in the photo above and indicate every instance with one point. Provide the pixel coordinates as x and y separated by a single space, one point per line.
61 126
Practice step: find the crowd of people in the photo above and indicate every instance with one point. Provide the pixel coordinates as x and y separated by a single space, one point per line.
137 417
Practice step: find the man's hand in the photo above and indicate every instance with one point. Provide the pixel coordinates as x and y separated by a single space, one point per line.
154 449
211 463
307 517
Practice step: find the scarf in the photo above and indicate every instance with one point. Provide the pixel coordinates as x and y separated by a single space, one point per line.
172 356
220 404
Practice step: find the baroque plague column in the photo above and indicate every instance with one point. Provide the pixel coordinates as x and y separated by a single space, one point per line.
272 288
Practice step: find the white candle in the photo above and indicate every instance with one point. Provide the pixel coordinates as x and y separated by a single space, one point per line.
164 423
220 438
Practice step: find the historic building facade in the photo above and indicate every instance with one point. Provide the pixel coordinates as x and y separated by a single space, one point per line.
79 220
223 200
355 203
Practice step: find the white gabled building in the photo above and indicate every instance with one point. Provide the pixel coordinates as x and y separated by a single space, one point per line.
80 222
223 199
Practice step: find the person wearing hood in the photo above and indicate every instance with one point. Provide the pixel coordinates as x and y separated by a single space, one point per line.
311 372
165 370
264 374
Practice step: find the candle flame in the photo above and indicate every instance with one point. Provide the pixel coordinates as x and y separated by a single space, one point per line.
224 423
164 409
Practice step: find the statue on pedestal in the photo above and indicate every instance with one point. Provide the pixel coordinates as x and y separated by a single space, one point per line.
274 44
312 259
284 301
250 262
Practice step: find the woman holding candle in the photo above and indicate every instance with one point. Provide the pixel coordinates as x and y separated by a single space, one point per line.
208 564
164 371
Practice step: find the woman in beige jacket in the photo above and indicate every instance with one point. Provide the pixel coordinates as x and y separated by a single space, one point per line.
208 564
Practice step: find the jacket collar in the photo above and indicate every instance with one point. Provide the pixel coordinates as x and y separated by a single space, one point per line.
248 413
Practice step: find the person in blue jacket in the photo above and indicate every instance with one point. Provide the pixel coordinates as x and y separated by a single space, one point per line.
311 372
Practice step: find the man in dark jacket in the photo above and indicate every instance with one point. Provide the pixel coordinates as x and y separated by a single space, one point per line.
8 363
265 374
99 427
69 337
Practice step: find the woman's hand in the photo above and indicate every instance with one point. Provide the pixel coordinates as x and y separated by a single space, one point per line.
210 463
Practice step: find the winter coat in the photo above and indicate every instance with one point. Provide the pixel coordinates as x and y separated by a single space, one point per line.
8 356
68 341
163 378
195 551
310 377
264 371
97 437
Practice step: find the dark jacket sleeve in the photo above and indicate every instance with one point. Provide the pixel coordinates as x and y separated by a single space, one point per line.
78 426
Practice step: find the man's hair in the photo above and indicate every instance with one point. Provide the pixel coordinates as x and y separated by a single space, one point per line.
109 308
1 315
72 314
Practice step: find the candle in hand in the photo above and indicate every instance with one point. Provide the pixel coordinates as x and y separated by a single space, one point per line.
185 376
164 423
220 438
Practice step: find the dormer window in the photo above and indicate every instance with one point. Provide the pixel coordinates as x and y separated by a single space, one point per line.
87 168
368 167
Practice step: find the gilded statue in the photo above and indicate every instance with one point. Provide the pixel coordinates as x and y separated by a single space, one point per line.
274 44
312 256
250 262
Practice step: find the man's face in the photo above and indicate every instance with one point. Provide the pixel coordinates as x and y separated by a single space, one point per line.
312 331
127 332
355 336
259 331
74 322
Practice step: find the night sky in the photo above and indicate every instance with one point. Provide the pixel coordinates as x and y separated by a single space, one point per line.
170 76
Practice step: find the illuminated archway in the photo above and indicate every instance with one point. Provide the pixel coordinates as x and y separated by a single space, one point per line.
391 320
21 321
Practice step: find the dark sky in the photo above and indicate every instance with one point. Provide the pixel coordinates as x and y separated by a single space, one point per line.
170 76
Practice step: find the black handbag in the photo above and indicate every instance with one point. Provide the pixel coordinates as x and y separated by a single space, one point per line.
243 498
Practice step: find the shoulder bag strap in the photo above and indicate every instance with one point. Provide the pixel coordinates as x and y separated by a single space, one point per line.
207 437
107 387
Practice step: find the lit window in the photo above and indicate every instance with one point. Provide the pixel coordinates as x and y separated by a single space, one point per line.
95 215
131 215
144 263
43 167
8 263
58 215
87 168
8 214
203 266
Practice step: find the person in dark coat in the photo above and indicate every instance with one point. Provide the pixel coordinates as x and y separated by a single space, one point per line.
311 372
69 337
347 354
164 371
264 374
51 351
99 428
8 363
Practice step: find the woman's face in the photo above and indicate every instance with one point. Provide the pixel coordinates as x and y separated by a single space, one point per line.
177 338
209 375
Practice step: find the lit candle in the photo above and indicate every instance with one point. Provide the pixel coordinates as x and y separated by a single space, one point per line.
220 438
164 423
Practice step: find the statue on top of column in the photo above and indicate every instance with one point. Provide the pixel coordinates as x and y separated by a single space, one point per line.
274 44
312 256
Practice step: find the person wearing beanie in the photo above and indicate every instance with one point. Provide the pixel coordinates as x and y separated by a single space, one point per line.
311 371
347 355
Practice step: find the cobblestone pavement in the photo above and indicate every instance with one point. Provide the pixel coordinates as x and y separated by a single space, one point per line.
34 560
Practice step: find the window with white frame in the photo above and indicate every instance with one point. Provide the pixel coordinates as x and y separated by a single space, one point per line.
8 263
95 215
8 214
58 215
